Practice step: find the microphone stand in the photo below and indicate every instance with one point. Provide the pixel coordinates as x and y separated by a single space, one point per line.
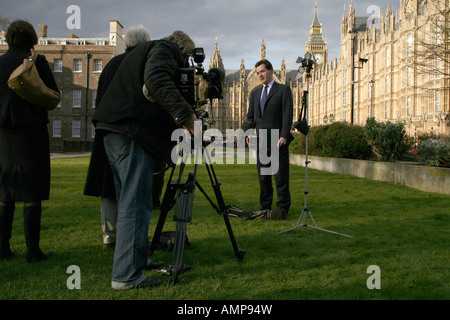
302 126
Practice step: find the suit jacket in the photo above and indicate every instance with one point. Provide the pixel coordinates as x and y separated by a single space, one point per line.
278 110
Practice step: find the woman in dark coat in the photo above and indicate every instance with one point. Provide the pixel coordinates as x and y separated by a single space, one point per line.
24 146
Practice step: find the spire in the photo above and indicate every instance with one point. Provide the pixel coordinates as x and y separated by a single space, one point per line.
242 70
316 43
351 17
216 58
263 50
316 26
316 22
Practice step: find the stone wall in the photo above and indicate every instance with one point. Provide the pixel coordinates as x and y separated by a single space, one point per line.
425 178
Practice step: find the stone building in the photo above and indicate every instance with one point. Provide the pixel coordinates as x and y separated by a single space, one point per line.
386 70
231 111
383 71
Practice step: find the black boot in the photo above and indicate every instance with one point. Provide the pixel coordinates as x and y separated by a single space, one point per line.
32 226
6 221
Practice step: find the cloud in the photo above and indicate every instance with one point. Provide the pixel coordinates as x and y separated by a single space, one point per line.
240 25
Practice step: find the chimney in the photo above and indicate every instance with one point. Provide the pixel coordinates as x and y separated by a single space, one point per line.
43 31
116 36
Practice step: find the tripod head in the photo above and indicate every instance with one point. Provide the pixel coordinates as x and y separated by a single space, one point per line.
307 64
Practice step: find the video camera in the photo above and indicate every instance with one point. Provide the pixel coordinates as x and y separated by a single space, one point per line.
198 86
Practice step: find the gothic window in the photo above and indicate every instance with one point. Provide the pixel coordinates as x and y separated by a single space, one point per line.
410 45
437 98
438 66
408 106
388 55
438 31
409 76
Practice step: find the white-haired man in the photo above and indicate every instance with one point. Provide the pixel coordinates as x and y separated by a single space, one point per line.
100 180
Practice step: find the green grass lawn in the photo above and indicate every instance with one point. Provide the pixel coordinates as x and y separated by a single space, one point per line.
403 231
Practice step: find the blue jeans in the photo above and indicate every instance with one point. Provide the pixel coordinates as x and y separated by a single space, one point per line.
133 176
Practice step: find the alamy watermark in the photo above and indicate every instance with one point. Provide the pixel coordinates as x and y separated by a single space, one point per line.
74 281
374 20
235 151
74 20
374 281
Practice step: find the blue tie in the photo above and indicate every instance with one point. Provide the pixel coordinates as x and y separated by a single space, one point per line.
263 100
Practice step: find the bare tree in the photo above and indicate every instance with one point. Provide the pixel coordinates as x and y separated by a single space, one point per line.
433 53
4 23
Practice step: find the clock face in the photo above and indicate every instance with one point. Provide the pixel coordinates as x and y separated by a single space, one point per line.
319 58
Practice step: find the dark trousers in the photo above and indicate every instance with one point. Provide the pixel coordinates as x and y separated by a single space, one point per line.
281 182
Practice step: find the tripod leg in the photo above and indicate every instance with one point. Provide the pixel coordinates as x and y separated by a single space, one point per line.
182 215
223 211
237 251
166 205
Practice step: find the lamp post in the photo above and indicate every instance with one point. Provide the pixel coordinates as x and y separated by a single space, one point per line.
371 83
361 60
352 52
88 57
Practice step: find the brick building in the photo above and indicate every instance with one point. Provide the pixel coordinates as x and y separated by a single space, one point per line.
77 64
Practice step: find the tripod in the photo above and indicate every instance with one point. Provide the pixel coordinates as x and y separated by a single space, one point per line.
182 196
302 126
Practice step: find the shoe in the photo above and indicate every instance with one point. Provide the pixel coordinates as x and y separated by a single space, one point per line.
276 214
32 226
154 265
6 221
148 283
34 256
7 255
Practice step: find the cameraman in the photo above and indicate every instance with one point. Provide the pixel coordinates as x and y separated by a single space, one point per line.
137 134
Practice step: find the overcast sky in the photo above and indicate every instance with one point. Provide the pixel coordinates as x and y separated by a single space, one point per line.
239 25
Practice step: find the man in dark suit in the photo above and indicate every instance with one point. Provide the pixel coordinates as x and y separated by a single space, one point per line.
271 108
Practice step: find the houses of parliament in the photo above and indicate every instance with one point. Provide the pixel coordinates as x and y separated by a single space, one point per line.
393 67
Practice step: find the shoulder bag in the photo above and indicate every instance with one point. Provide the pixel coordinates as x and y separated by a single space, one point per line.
26 82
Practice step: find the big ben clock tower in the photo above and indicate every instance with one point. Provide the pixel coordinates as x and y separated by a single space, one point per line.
316 45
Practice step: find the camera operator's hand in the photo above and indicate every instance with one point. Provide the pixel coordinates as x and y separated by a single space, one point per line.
188 124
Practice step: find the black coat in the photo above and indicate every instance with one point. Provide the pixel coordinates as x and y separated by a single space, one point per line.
155 63
15 111
24 142
100 180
